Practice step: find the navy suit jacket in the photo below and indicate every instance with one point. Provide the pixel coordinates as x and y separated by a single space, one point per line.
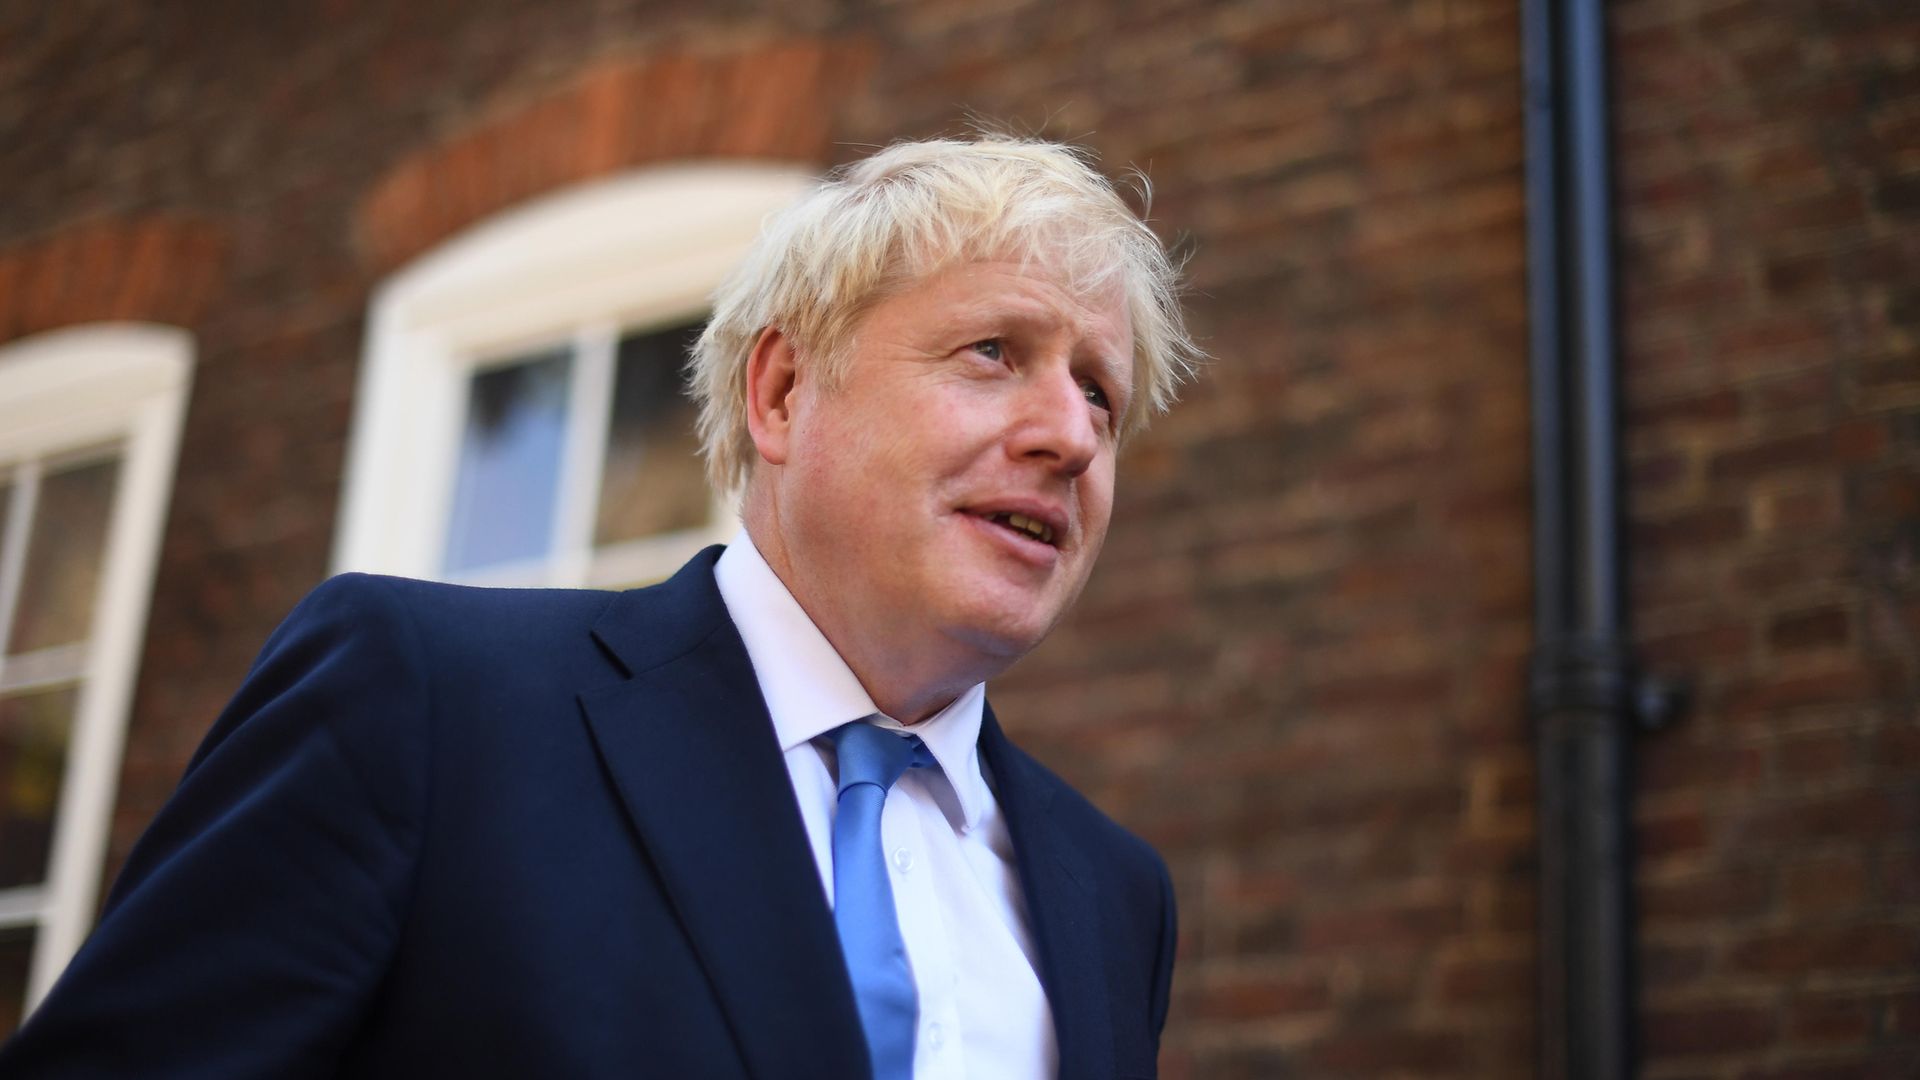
447 831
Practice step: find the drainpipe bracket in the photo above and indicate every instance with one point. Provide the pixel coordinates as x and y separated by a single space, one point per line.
1585 677
1660 701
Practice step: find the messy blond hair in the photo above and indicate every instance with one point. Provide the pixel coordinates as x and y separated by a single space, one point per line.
882 223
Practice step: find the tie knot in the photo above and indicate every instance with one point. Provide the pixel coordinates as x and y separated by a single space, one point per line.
871 755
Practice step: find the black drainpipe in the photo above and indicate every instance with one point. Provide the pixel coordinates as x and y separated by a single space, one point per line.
1585 695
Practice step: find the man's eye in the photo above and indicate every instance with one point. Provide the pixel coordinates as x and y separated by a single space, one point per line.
989 348
1095 396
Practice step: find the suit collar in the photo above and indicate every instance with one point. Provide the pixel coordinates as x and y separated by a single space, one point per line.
810 690
1062 903
644 628
690 751
688 734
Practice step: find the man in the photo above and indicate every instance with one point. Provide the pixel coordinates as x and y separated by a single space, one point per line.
756 821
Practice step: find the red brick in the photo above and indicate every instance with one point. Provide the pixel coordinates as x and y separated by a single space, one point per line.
1716 897
155 269
1862 814
11 310
1481 980
1815 212
1692 1031
1776 332
1770 457
1769 571
1652 475
1897 746
1677 763
1696 527
1859 441
1671 834
1794 509
1859 948
585 129
1828 1019
1903 1014
1366 928
1710 408
1380 1052
1260 996
142 263
604 107
1892 494
1900 876
1794 392
1666 964
1826 888
1822 1066
1827 626
1765 698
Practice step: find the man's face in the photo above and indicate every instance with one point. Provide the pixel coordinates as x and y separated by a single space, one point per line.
953 490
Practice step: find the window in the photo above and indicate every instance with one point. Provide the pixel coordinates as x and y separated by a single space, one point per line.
521 418
89 428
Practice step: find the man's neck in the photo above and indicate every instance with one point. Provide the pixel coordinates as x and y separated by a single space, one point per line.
909 678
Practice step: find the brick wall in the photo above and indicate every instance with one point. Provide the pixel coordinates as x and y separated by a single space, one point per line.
1298 668
1769 185
1318 583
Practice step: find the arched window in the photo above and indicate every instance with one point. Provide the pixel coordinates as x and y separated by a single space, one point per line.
89 432
520 418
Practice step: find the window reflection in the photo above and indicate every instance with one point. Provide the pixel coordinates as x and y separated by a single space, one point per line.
64 551
16 960
652 480
6 502
33 758
508 479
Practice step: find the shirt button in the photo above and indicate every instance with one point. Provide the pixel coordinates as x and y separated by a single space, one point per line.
935 1036
902 860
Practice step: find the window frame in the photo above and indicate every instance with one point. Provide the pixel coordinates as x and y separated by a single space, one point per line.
640 251
63 391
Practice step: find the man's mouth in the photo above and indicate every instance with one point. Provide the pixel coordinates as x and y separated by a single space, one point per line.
1021 523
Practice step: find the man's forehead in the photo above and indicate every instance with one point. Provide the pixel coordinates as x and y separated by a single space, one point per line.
1034 293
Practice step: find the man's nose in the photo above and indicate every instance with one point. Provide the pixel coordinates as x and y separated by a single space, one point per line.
1054 424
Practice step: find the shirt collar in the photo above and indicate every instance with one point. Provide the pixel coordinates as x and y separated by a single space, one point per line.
809 689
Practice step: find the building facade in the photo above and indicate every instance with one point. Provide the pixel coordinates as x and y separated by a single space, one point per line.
289 289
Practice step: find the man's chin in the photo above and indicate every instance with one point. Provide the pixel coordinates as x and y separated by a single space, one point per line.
1005 632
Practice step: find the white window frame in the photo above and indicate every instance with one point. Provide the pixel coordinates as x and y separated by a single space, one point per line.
641 250
123 383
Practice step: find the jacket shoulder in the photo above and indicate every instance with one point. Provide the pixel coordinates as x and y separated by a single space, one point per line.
447 620
423 597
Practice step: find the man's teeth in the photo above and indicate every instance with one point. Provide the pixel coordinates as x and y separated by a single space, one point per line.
1039 530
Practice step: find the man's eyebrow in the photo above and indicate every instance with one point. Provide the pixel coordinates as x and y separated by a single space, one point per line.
1002 315
1005 312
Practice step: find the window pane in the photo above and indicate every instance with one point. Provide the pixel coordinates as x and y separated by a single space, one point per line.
65 542
16 960
33 758
6 503
509 473
653 480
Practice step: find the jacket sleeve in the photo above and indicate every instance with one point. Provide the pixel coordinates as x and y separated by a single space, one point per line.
253 921
1163 962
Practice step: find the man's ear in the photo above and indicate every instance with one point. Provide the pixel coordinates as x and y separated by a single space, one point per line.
771 380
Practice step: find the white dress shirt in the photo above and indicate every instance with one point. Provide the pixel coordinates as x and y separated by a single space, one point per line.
955 887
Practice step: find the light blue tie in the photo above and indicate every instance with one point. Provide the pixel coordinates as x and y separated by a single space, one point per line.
870 761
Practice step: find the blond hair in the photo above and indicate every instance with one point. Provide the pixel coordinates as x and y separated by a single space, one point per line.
877 225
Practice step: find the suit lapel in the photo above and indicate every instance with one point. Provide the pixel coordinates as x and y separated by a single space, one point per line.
1059 886
690 750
